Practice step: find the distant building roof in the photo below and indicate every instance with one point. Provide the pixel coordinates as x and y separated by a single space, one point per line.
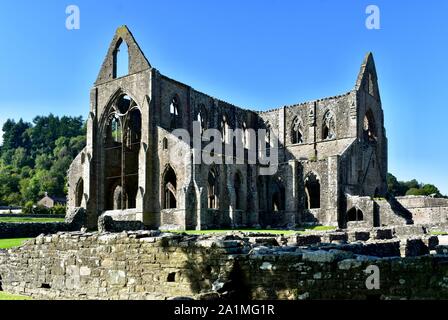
56 200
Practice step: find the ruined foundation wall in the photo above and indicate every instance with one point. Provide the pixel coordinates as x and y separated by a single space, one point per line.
141 266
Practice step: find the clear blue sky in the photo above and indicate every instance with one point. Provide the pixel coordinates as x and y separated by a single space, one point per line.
256 54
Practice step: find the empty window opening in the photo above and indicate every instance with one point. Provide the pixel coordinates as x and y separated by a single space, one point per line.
238 192
369 127
202 118
79 193
118 198
355 215
329 127
121 60
245 136
296 131
225 129
171 277
169 184
312 191
115 130
45 286
165 144
278 197
212 190
261 193
175 120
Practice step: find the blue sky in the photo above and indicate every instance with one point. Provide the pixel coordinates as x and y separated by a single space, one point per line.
256 54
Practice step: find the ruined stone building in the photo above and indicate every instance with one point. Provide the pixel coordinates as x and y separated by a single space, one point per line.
332 155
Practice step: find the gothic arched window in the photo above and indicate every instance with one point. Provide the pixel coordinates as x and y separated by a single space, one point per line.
296 131
175 118
169 200
329 126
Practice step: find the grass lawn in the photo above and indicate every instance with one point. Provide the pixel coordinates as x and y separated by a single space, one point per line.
23 219
11 243
271 231
438 233
7 296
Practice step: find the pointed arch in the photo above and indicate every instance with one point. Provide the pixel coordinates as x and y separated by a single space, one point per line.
297 131
369 127
121 59
213 189
137 60
355 215
169 195
329 126
175 113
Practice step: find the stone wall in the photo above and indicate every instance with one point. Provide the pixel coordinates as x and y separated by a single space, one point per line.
150 265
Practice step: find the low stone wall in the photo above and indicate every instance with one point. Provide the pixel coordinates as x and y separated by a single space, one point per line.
31 229
21 215
74 222
150 265
426 210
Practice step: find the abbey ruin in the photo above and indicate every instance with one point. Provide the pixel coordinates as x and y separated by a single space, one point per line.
332 157
128 189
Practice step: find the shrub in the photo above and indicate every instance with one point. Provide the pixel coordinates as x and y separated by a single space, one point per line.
28 208
58 209
41 210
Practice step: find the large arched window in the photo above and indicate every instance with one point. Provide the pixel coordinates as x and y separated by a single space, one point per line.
369 127
355 215
212 189
297 131
175 117
329 126
169 200
123 134
312 191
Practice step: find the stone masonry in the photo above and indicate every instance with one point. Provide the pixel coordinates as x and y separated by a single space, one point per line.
153 265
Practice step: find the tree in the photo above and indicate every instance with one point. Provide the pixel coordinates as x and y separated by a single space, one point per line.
410 188
35 157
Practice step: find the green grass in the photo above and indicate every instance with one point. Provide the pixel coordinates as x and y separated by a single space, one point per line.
23 219
8 296
438 233
271 231
11 243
